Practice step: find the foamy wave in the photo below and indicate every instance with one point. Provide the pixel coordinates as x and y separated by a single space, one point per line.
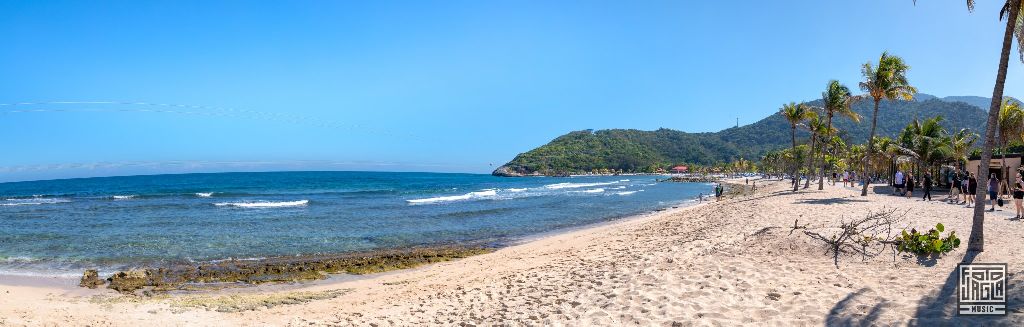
628 192
32 201
123 197
48 274
623 180
18 259
232 259
264 204
596 190
516 190
618 187
204 195
467 196
559 186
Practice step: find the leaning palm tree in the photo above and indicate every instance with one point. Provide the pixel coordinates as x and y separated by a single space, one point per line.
888 81
837 100
1014 26
794 114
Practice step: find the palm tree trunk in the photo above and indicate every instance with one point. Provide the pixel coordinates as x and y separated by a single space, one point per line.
976 242
810 161
796 167
870 150
828 136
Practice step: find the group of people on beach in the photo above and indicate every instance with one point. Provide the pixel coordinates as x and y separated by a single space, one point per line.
849 178
963 187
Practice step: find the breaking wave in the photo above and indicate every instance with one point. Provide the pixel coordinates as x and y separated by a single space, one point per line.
263 204
32 201
467 196
559 186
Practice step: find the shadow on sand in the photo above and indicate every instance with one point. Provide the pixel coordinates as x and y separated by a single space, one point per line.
936 309
830 201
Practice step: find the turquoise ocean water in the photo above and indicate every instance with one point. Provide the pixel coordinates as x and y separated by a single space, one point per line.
61 227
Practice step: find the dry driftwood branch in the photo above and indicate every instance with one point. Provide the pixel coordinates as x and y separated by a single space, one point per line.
868 236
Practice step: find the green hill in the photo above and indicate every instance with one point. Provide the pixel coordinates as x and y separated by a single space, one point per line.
632 150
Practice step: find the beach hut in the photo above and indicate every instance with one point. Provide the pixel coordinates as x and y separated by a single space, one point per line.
996 167
680 169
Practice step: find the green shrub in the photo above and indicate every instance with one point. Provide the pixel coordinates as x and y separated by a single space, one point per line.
927 243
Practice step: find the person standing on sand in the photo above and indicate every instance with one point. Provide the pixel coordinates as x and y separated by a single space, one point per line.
954 189
972 188
927 186
909 185
898 183
993 189
1018 196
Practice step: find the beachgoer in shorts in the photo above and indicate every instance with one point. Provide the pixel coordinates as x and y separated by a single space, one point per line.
909 183
1018 196
993 189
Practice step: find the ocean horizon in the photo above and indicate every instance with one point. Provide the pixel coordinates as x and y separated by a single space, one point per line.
61 227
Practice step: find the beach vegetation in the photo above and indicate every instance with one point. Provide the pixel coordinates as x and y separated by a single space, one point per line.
930 242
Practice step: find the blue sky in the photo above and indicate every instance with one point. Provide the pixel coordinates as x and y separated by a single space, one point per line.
452 86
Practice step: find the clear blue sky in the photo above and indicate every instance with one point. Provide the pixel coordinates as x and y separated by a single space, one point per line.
434 85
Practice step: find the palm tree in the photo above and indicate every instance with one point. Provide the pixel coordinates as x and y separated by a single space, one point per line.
816 125
961 143
1014 26
886 81
1010 127
928 140
837 100
794 114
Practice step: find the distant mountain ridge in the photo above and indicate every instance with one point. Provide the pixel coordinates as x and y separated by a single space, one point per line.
631 150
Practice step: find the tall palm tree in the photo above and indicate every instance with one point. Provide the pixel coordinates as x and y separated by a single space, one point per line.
1010 127
794 114
1014 26
888 81
815 125
837 99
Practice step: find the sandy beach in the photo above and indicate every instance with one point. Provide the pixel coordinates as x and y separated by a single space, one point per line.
732 262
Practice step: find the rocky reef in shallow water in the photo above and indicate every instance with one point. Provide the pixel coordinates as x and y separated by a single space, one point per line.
281 269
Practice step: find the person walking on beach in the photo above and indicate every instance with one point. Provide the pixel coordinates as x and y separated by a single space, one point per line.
1018 196
909 183
972 189
993 189
846 177
898 183
954 189
927 186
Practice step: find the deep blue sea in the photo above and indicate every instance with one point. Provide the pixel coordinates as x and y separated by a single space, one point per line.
61 227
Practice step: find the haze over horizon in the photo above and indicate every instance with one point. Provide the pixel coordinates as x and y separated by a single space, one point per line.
175 87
